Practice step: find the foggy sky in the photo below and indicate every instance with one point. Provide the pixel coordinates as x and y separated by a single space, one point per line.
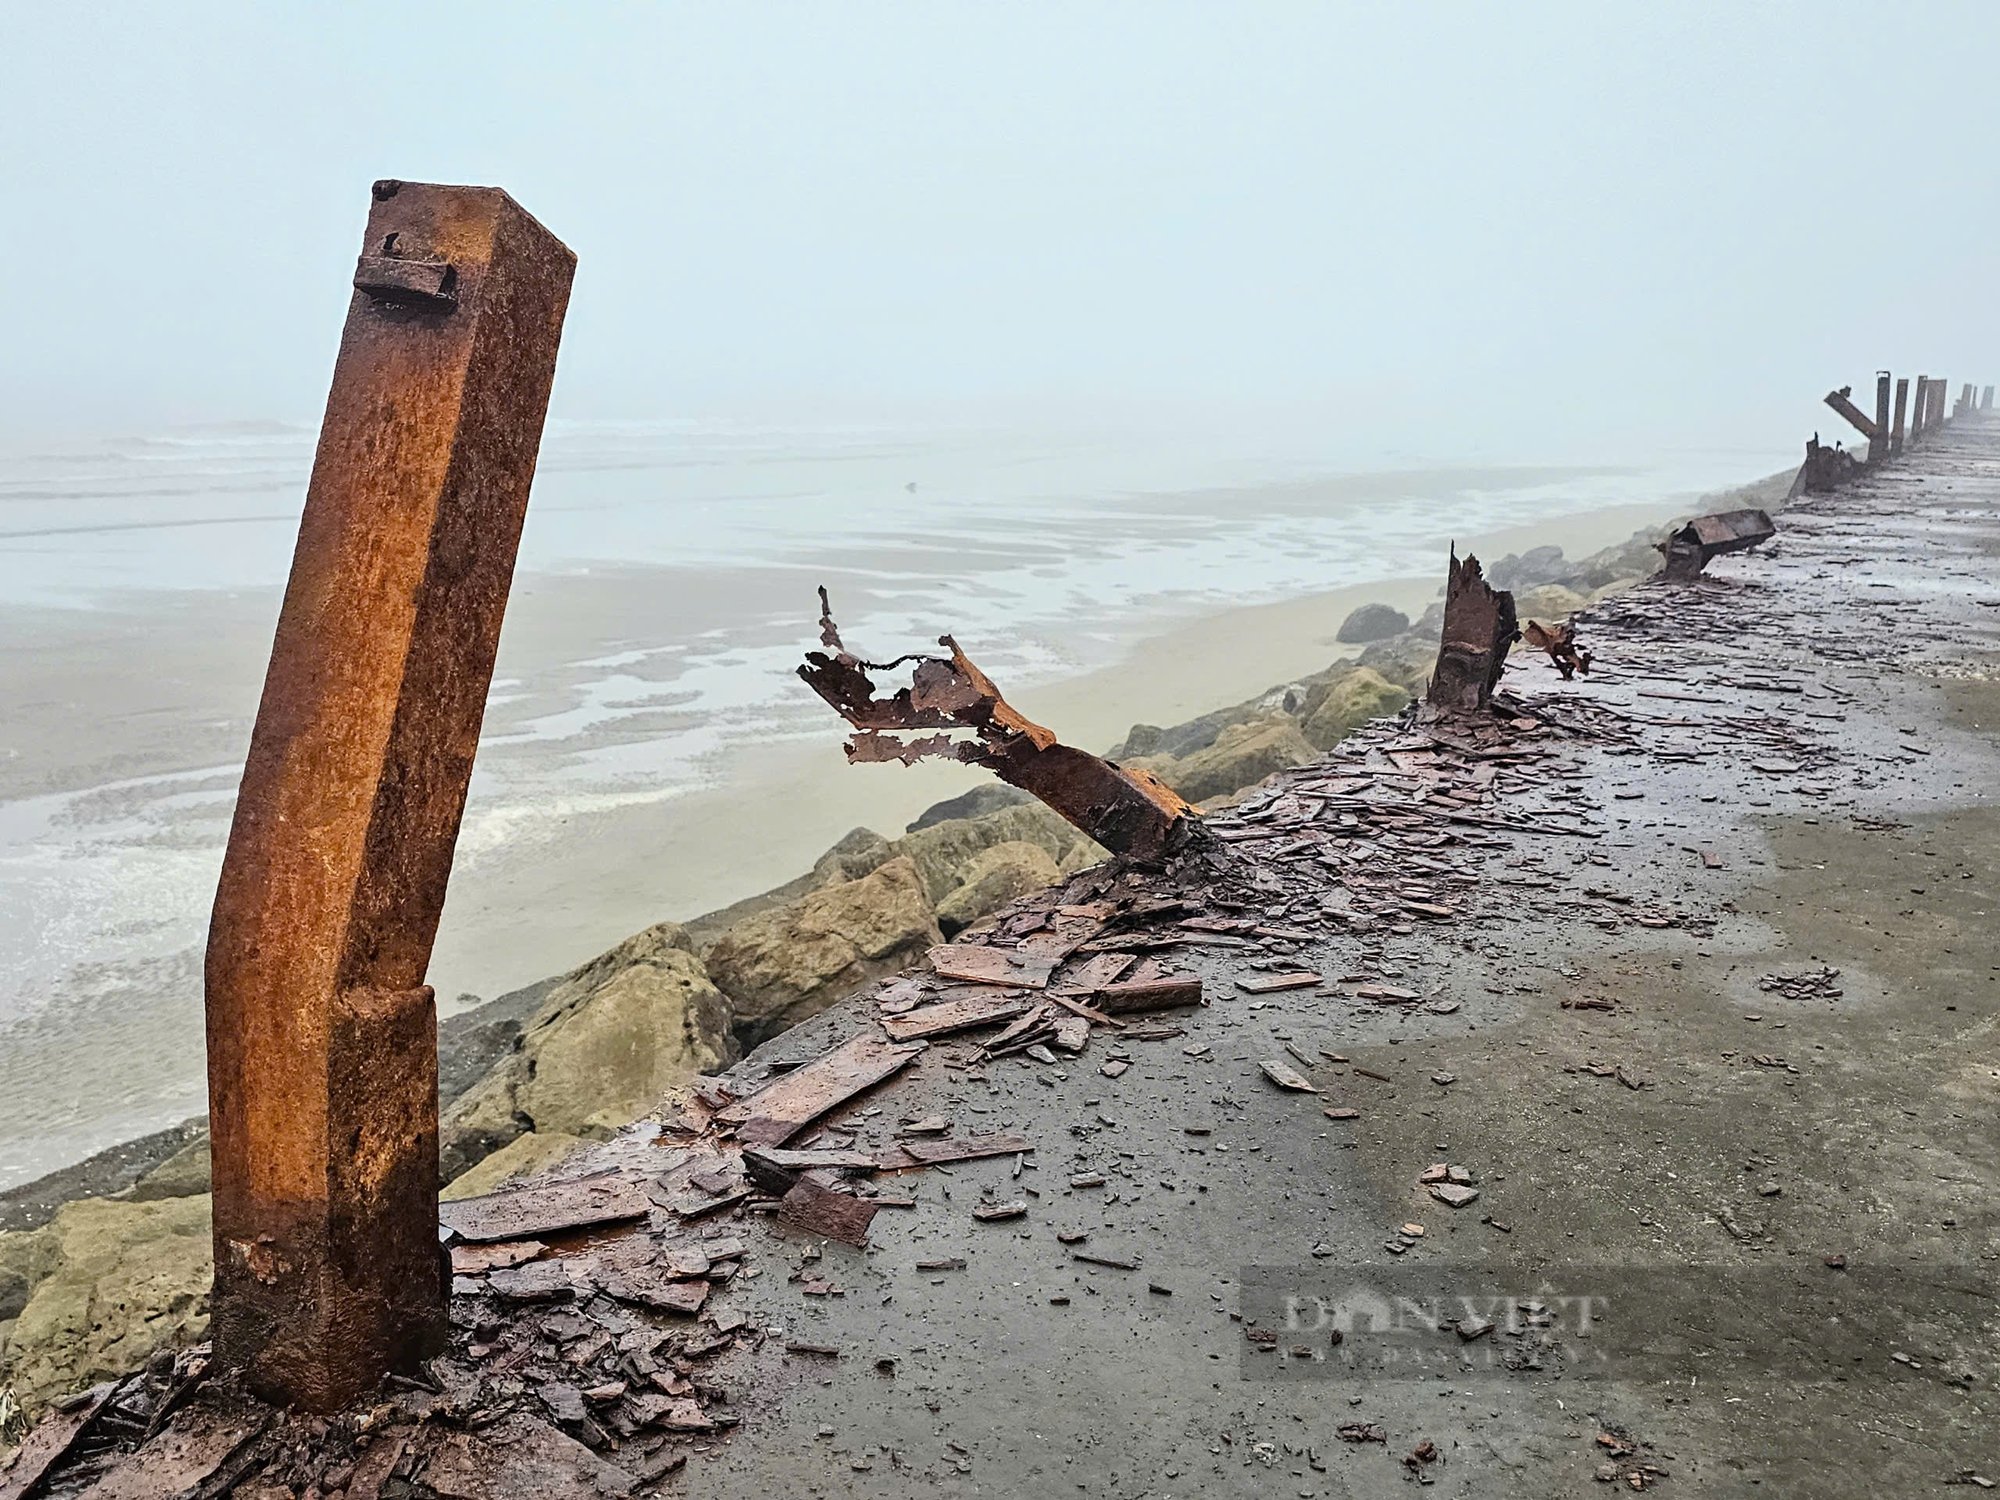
1543 226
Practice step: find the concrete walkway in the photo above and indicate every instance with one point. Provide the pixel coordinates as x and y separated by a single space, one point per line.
1690 971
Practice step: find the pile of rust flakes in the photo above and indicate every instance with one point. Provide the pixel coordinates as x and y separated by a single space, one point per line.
588 1311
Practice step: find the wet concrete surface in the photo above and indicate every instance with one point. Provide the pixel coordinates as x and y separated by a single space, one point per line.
1735 1225
1688 1221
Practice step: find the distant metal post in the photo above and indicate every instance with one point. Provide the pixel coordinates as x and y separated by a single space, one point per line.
1964 400
322 1040
1878 440
1896 427
1986 399
1920 398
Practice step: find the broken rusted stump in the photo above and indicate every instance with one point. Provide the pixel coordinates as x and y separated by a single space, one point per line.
1824 469
1559 641
1128 811
1479 628
1690 548
322 1037
1896 427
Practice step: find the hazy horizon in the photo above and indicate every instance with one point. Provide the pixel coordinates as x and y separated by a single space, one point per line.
1455 228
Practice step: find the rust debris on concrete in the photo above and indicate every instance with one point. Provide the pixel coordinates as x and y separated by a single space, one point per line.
1128 811
322 1039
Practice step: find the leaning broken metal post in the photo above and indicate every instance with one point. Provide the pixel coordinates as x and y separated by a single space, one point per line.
1690 548
1856 418
1127 810
322 1038
1479 628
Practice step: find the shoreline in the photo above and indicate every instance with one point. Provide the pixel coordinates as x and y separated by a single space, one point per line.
678 854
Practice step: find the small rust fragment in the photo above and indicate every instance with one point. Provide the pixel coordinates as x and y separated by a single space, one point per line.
1690 548
50 1442
814 1208
527 1213
1129 812
982 1007
1479 626
1560 643
1168 992
781 1109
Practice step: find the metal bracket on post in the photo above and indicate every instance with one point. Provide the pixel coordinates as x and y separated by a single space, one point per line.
322 1037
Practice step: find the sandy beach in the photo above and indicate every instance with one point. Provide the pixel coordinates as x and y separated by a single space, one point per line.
647 753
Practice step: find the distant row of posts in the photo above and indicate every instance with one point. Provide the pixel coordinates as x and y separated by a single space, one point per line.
1886 431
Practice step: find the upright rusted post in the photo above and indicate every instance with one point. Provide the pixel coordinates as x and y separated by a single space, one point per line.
1479 627
1896 426
1919 398
1878 440
322 1041
1986 399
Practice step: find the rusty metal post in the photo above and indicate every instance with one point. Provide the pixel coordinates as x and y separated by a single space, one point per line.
322 1041
1854 416
1878 440
1896 426
1964 400
1920 396
1479 627
1986 399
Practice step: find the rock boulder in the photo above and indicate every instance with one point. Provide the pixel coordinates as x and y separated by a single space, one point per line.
784 965
1242 755
1371 622
115 1282
524 1156
609 1040
996 876
1347 700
